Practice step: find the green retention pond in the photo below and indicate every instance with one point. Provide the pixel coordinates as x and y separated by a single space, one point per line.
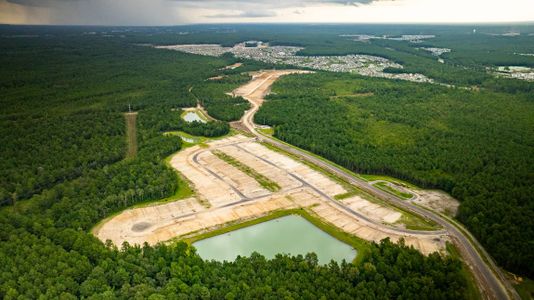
290 234
192 116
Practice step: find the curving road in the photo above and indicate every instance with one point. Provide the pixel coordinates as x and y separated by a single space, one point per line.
304 183
490 279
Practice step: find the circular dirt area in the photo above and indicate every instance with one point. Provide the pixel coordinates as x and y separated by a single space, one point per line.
141 226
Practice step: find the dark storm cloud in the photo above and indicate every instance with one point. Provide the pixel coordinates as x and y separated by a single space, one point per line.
36 3
99 12
259 8
210 3
155 12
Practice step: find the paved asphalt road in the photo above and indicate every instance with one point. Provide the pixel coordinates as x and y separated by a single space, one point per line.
493 286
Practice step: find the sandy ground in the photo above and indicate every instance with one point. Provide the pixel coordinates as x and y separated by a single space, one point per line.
261 84
231 67
225 194
436 200
374 210
433 199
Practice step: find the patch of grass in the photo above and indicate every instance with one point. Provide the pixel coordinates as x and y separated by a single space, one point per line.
386 188
361 246
262 180
472 290
267 131
416 223
369 177
187 138
346 195
386 134
525 289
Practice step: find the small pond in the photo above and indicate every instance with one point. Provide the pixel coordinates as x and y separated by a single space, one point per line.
290 234
192 116
189 140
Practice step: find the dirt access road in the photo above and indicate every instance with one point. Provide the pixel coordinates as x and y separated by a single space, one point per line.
490 279
256 90
225 193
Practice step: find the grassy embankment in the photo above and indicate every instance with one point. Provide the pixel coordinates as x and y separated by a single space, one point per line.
262 180
525 289
268 131
388 189
472 290
188 139
370 177
360 245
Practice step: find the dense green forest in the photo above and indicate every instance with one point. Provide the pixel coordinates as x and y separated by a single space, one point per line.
61 116
477 145
63 142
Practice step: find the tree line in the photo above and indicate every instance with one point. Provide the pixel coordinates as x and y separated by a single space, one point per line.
476 145
46 250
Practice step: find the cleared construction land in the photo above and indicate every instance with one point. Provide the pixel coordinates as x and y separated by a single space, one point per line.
226 193
237 179
432 199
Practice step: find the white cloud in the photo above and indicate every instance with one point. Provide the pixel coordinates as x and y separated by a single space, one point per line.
245 14
170 12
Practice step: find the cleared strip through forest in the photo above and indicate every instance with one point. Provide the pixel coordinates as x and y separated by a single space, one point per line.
131 134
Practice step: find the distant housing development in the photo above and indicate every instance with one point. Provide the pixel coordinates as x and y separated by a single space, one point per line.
366 65
412 38
516 72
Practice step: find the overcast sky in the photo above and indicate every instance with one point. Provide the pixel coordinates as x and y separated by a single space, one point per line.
174 12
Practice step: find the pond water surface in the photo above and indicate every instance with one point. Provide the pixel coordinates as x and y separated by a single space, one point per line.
290 234
192 116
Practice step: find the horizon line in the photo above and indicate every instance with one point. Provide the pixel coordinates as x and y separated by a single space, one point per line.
499 23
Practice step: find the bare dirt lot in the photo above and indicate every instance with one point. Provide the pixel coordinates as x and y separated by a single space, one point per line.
261 83
433 199
378 212
436 200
